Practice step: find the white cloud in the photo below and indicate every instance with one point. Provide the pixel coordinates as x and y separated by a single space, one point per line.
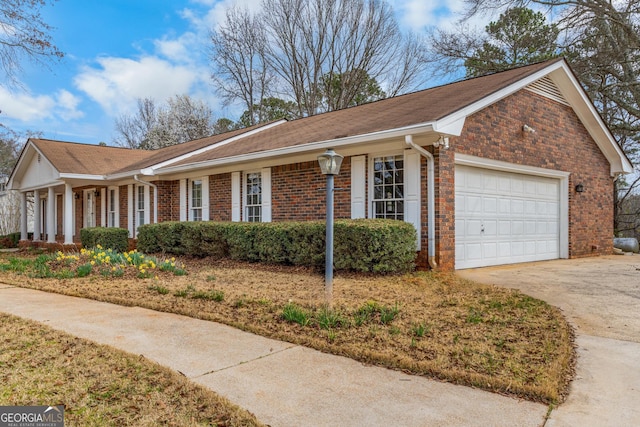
216 13
118 82
183 49
25 107
68 104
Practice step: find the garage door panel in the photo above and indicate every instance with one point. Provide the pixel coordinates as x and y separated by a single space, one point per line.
504 217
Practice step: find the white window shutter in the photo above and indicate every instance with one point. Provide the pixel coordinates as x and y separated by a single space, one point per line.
235 196
205 198
266 194
358 187
116 195
412 190
183 200
147 209
130 207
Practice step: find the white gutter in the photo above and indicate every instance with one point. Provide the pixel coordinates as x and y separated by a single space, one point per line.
155 197
431 201
303 148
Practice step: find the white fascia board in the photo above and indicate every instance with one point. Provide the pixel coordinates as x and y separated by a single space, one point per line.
450 125
151 169
42 186
82 176
591 119
313 146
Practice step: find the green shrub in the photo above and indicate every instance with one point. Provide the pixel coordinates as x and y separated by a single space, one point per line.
105 237
379 246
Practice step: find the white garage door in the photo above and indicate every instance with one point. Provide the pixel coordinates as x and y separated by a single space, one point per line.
505 218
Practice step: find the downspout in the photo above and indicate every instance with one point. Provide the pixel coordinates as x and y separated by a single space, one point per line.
155 196
431 201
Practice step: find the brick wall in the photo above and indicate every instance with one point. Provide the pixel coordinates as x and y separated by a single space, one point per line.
560 142
298 192
168 200
123 194
220 197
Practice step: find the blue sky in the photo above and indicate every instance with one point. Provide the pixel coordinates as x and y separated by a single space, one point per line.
120 50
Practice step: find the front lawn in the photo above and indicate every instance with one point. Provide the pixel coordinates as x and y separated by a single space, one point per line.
432 324
99 385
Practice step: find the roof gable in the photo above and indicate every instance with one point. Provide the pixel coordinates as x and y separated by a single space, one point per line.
32 170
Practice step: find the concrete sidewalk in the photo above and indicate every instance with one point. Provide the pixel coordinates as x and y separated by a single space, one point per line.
282 384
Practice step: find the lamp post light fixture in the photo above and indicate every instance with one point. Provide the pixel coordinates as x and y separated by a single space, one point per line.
330 163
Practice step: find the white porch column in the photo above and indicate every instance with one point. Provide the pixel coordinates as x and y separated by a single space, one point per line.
103 207
37 220
23 216
68 214
51 205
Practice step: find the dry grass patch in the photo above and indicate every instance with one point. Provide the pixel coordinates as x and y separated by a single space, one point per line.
431 324
99 385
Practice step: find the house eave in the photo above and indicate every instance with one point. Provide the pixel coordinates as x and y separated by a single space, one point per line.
304 148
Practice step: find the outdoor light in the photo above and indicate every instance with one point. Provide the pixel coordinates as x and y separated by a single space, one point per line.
579 188
76 196
96 193
330 163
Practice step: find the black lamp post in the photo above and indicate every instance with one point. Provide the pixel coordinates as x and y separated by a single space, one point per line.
330 163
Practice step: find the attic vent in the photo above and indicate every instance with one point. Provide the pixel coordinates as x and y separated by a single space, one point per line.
39 158
546 87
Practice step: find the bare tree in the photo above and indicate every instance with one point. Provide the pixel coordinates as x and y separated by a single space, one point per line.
132 129
308 43
24 35
237 53
151 126
183 119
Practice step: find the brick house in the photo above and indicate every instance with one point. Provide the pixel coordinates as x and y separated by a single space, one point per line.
512 167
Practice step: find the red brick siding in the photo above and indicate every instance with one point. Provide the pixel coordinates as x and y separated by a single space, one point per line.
123 194
220 197
560 142
168 200
298 192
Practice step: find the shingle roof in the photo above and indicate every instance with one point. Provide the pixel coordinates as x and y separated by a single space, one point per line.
163 154
392 113
71 157
405 110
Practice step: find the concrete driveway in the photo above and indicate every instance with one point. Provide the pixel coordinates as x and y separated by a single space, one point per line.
601 298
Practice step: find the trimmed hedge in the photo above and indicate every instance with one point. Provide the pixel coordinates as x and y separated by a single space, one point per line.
367 245
107 237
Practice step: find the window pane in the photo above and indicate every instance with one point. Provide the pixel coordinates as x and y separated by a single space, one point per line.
253 197
388 187
196 194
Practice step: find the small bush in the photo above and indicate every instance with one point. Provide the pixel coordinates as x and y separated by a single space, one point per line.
106 237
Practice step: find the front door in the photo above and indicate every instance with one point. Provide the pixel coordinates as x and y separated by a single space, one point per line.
89 208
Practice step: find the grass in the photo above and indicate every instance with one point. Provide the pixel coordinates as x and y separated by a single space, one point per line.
99 385
431 324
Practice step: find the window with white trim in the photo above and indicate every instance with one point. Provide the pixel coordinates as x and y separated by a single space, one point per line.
140 206
195 199
388 187
111 207
253 197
